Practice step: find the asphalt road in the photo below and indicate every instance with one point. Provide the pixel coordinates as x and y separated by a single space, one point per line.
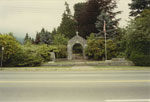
102 86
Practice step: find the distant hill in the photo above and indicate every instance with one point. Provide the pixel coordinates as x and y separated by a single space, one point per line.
20 39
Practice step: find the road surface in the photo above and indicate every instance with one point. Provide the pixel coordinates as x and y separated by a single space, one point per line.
102 86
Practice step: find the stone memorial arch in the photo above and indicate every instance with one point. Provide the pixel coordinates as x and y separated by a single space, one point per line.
76 40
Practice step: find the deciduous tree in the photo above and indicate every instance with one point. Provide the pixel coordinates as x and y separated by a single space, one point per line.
11 46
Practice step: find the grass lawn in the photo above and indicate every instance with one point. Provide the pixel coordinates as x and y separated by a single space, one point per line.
123 67
76 68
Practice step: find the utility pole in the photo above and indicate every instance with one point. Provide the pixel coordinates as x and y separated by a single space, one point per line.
105 40
2 57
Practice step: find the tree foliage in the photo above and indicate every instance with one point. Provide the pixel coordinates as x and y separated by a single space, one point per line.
27 39
110 25
60 39
136 41
121 41
90 10
25 57
54 32
17 55
44 52
67 25
138 46
59 50
96 48
137 6
43 37
78 8
11 46
37 39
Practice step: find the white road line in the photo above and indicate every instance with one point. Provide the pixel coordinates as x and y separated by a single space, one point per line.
86 72
129 100
105 81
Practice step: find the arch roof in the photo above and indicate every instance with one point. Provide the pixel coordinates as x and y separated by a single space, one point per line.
77 39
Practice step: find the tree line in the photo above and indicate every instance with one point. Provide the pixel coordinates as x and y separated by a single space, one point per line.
88 18
131 42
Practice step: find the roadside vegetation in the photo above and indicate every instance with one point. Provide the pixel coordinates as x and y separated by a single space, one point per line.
131 42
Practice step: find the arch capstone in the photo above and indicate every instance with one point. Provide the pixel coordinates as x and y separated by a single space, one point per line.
76 40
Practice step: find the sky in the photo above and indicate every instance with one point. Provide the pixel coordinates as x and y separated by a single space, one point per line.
30 16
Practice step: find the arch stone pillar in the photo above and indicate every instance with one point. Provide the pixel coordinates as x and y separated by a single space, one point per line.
76 40
69 51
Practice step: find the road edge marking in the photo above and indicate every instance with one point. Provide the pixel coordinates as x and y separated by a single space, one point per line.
129 100
107 81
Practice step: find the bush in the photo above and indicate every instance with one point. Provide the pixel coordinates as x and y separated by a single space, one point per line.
138 51
59 46
59 50
19 55
11 46
96 48
138 40
29 59
44 52
60 39
24 57
140 59
121 41
16 54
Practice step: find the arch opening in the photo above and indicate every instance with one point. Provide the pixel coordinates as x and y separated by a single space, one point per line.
77 52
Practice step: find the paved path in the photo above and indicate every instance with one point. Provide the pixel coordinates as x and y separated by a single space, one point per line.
102 86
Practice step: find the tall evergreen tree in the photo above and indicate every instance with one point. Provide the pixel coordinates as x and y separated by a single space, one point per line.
88 17
78 9
45 37
137 6
27 38
67 26
68 11
110 25
37 38
54 32
32 41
